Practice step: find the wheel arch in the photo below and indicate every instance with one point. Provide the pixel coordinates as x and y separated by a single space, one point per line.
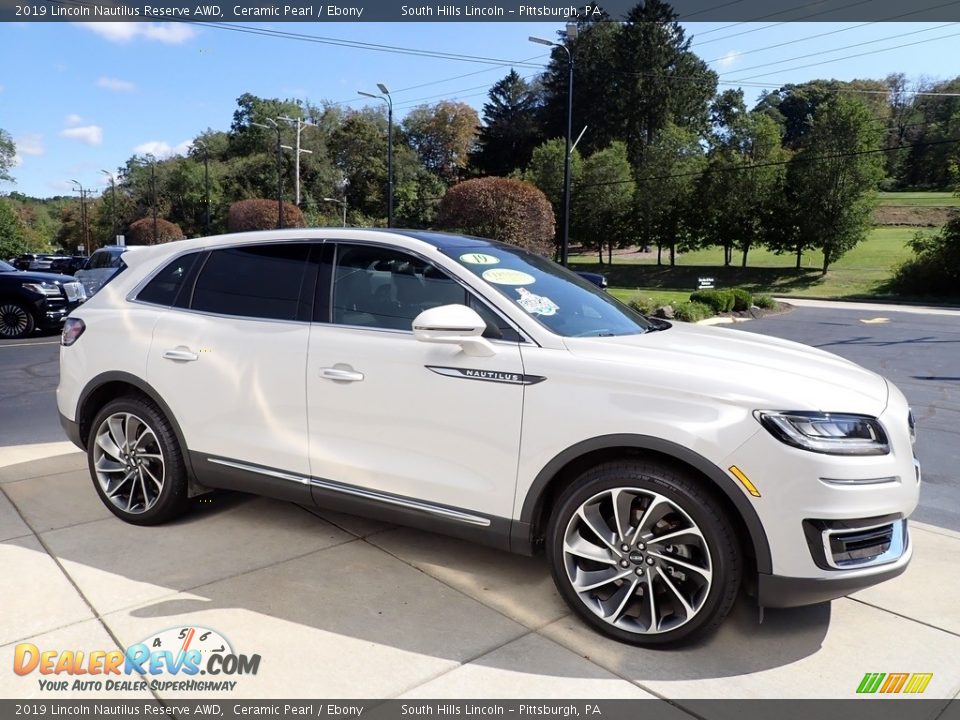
113 384
563 469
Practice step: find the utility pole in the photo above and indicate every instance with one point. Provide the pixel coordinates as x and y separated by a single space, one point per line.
206 187
342 204
83 216
300 124
273 124
113 202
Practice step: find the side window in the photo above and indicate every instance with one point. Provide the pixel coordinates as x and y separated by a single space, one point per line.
259 281
163 288
98 260
382 288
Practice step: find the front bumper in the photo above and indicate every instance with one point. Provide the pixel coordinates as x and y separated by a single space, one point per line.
780 591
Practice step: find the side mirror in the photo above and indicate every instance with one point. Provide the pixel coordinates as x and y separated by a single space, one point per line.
453 325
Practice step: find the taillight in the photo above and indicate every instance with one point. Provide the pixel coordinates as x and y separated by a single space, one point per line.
72 330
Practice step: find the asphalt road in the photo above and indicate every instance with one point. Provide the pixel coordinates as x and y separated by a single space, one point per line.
920 353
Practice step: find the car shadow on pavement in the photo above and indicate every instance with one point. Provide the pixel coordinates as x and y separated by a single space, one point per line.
281 578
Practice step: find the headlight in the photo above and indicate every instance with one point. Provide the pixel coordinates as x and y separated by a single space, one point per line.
43 288
830 433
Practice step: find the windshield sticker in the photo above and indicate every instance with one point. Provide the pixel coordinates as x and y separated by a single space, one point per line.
536 304
504 276
479 259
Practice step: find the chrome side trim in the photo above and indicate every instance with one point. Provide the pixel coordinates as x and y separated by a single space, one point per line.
361 493
898 545
400 502
303 480
861 481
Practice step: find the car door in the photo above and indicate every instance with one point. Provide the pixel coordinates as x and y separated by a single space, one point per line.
231 364
402 426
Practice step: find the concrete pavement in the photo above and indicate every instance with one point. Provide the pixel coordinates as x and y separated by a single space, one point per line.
343 607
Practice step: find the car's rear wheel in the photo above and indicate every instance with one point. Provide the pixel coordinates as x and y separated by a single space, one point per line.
136 462
643 554
16 321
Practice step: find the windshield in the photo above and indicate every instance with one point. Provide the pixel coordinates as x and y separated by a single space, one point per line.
6 267
562 301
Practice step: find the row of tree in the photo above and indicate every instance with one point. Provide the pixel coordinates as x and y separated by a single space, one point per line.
666 160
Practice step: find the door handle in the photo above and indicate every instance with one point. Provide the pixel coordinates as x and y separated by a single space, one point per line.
181 355
341 374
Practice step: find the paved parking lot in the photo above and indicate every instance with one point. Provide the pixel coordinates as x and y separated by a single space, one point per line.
338 606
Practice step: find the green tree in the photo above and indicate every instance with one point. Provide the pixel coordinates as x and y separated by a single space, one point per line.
666 201
743 180
546 171
510 129
603 200
443 136
831 181
11 232
7 152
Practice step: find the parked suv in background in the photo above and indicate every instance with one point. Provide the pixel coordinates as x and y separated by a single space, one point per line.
468 387
30 300
100 267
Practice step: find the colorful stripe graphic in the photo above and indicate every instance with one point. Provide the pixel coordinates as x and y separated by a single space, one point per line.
890 683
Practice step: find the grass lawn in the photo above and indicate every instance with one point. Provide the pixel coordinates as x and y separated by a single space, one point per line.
920 199
862 272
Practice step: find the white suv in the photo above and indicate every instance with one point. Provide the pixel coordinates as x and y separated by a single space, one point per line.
467 387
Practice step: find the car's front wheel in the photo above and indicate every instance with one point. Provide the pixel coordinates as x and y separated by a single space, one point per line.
136 462
643 554
16 320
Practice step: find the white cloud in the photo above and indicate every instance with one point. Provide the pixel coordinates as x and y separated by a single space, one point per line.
116 84
161 149
72 120
729 59
122 32
29 144
87 134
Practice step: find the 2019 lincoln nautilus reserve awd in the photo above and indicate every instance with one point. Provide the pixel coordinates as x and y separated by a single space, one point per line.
468 387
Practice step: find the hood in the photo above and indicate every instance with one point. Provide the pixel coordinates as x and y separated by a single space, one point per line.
748 369
38 276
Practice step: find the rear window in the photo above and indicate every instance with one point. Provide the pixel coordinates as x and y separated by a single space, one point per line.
166 284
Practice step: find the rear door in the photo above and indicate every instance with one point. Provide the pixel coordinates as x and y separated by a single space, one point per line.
231 362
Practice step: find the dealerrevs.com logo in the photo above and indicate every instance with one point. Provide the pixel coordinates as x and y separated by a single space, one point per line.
172 659
894 683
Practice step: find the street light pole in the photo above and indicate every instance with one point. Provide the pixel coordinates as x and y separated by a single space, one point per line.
153 191
113 202
342 203
206 187
275 126
300 124
385 97
565 237
83 216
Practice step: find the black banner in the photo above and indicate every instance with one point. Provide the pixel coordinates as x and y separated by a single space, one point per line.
250 11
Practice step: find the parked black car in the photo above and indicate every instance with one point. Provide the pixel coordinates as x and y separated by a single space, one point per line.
596 278
67 265
30 300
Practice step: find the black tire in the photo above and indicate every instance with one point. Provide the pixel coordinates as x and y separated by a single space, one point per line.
16 320
715 597
171 498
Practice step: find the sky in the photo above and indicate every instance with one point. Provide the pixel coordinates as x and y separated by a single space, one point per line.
79 98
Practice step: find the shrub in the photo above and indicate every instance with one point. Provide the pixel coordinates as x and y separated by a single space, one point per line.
643 305
692 311
742 299
261 214
504 209
764 301
719 300
935 269
140 232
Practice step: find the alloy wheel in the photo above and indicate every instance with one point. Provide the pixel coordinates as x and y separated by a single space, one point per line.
14 320
128 462
637 560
